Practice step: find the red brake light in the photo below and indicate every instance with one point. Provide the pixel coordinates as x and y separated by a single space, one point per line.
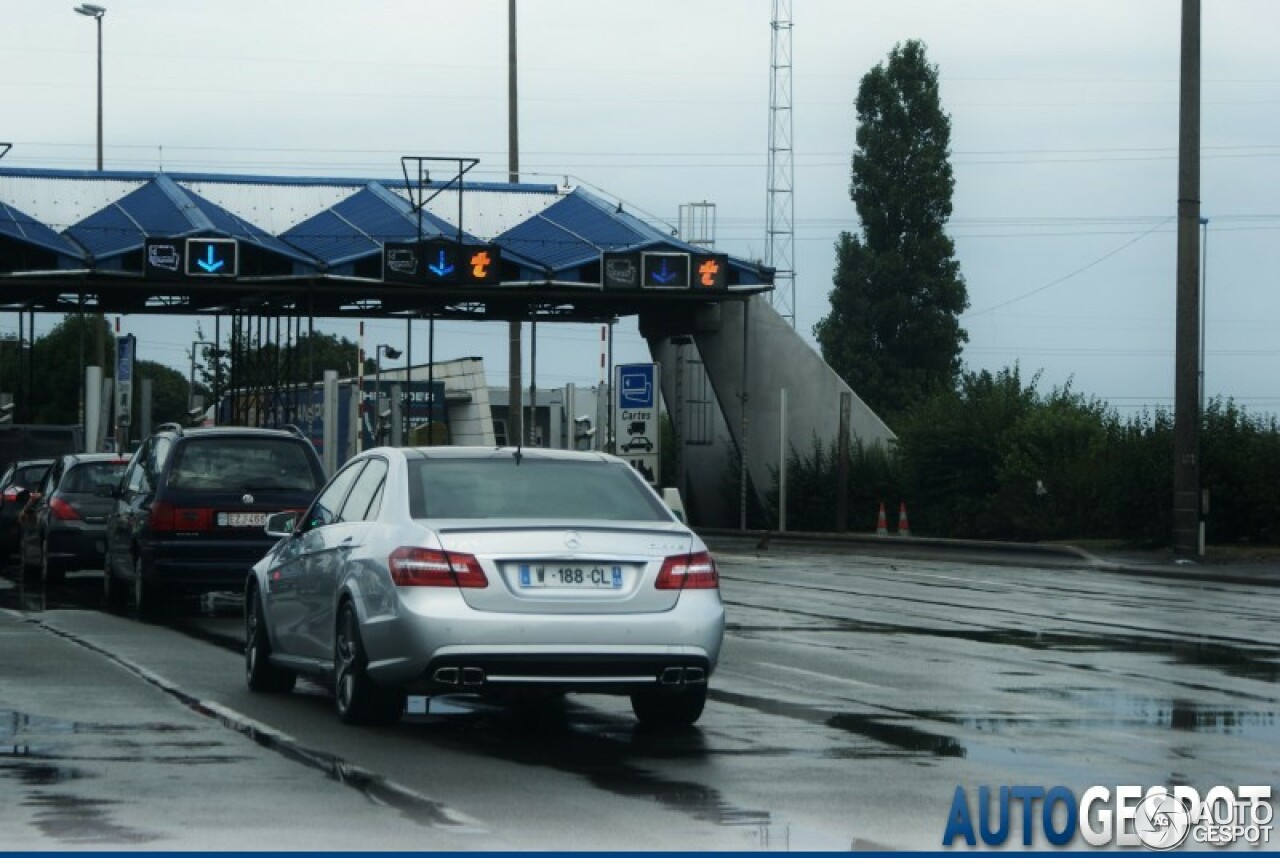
161 517
412 566
192 519
167 518
11 493
688 572
62 510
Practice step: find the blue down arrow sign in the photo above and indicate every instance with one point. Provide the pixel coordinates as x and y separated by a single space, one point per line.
442 268
662 275
210 263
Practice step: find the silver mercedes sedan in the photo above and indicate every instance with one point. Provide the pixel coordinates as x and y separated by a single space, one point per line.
511 574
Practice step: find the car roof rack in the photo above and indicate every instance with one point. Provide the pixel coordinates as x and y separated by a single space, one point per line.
170 427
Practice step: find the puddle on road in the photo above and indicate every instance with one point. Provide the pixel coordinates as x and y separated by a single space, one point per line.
412 806
45 770
595 746
893 732
83 821
908 730
885 729
1120 709
1237 660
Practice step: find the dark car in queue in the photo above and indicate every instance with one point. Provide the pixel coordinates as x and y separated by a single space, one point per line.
512 575
63 526
24 474
188 514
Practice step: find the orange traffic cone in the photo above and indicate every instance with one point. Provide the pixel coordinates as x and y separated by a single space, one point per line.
904 526
882 523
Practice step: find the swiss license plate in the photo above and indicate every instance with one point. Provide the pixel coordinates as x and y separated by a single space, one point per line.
242 519
595 576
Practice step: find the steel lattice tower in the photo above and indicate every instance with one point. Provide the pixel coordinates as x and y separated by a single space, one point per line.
780 236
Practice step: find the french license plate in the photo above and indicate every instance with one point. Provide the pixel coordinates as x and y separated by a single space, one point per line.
242 519
597 576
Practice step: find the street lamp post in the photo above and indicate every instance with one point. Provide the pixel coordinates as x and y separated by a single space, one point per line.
392 354
96 12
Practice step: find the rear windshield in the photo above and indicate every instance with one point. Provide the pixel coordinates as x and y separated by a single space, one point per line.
536 488
30 476
93 477
241 465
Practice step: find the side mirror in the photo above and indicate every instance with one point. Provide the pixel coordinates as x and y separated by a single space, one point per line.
281 524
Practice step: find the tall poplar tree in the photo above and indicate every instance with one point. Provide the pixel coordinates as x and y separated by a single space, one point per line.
893 333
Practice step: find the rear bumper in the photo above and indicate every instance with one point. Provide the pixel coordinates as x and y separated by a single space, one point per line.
487 671
82 547
493 651
202 564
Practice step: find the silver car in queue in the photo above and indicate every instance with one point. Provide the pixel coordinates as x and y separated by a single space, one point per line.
498 572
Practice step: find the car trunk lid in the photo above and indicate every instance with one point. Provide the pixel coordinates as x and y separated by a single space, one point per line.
575 568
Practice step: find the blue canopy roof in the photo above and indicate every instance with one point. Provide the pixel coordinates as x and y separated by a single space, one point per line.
23 228
323 225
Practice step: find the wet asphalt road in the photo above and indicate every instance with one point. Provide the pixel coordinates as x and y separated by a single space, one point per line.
854 694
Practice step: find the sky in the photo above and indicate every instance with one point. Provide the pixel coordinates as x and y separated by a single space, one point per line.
1064 147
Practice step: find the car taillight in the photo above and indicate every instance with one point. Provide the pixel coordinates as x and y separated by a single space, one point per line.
161 517
412 566
11 493
688 572
62 510
167 518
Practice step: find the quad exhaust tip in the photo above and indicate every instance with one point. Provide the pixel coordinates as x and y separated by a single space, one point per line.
468 677
447 675
673 676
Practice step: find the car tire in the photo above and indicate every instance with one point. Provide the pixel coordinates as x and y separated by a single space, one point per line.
53 575
260 673
667 709
30 571
114 596
147 596
358 699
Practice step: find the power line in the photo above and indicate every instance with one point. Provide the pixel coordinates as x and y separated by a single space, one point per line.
1068 276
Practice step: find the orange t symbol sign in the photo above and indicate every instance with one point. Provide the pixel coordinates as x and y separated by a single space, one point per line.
709 270
480 263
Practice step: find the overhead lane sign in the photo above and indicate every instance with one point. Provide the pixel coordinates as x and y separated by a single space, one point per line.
441 262
710 272
180 258
213 257
620 272
689 272
664 270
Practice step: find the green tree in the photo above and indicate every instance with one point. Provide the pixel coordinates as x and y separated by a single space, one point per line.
56 369
169 392
893 333
302 361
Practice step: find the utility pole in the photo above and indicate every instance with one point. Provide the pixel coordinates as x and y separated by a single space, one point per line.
515 345
1186 408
